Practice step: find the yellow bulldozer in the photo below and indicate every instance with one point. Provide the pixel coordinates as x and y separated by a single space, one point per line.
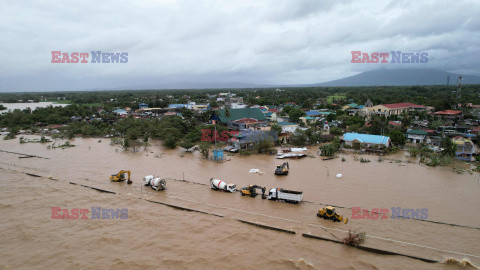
120 176
329 213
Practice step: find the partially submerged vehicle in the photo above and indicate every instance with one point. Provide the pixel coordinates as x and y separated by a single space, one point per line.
329 213
120 176
251 191
155 182
282 169
220 185
290 196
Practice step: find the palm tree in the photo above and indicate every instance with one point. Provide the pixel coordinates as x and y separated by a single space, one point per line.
227 112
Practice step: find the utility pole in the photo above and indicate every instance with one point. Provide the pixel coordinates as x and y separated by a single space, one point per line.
459 87
215 135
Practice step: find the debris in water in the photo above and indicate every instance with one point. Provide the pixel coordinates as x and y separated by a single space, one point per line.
465 263
354 239
256 171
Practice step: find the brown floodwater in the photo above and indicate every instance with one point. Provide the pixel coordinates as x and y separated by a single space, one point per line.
158 236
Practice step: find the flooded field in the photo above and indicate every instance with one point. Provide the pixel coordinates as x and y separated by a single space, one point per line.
158 236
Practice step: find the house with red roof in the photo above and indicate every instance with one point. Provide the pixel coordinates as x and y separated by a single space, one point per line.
450 113
395 124
392 109
245 123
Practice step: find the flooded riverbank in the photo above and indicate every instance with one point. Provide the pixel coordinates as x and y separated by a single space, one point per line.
31 105
183 239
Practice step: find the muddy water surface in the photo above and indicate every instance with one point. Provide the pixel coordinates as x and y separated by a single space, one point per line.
156 236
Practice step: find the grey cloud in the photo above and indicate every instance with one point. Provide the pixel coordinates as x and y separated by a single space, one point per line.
264 42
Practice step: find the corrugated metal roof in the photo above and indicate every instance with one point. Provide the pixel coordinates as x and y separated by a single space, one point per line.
312 112
235 114
417 132
366 138
286 124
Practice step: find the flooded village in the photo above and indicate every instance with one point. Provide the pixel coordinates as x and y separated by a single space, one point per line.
400 177
293 134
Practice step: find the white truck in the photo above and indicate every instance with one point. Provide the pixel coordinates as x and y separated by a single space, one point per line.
220 185
290 196
155 182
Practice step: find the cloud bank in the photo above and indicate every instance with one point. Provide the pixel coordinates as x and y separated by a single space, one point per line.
269 42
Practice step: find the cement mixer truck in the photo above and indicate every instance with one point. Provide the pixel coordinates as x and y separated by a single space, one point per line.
220 185
155 182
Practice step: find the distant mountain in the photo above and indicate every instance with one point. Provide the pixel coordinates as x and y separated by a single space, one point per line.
400 77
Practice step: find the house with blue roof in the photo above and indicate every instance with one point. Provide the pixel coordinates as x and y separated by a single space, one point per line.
120 112
177 106
312 113
366 140
143 106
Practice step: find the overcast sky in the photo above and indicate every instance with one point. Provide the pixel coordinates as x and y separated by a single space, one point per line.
268 42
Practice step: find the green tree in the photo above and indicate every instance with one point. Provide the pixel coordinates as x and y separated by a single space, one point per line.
276 128
397 137
12 132
294 114
336 131
205 148
299 138
186 144
227 112
170 142
187 113
449 147
378 125
328 150
265 147
331 117
126 143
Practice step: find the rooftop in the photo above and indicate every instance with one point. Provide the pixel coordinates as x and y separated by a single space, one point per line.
448 112
236 114
395 123
417 132
286 124
246 120
366 138
400 105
